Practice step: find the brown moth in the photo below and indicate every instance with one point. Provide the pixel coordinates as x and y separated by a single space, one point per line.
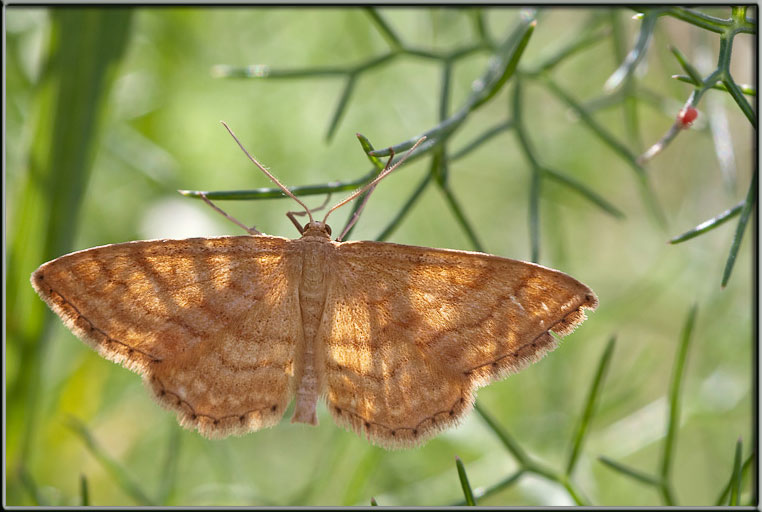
227 331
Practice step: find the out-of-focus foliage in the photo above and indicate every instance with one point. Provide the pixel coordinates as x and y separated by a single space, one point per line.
652 418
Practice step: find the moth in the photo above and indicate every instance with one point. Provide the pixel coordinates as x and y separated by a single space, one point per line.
228 331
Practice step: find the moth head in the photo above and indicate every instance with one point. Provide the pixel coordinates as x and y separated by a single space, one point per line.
316 228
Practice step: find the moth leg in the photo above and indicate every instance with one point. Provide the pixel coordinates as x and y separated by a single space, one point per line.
356 214
292 217
252 230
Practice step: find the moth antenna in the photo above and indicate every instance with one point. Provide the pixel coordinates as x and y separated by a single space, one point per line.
264 170
356 215
373 183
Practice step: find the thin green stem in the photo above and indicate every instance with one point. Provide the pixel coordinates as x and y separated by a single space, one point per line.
84 493
584 191
493 489
673 423
341 106
638 52
587 413
601 132
744 88
741 101
276 193
723 497
518 453
383 27
400 215
699 19
117 472
751 200
461 218
630 472
534 215
463 477
710 224
735 489
687 67
481 139
582 41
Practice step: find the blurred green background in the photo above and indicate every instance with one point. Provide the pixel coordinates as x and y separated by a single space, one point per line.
110 111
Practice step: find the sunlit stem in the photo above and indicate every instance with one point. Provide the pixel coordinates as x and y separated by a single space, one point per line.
262 168
373 183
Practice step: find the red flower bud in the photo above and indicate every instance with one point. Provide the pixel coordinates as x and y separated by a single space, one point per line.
687 116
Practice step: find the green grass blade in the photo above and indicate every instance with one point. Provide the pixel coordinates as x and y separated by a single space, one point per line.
341 106
494 489
85 46
723 497
31 487
84 493
751 200
592 397
467 492
112 467
678 373
709 225
170 467
585 192
630 472
735 488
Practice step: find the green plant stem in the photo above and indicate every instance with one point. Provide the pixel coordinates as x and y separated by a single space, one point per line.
587 413
709 225
117 472
481 139
84 493
461 218
493 489
630 472
745 88
751 200
397 219
735 488
463 477
674 406
527 464
723 497
383 27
